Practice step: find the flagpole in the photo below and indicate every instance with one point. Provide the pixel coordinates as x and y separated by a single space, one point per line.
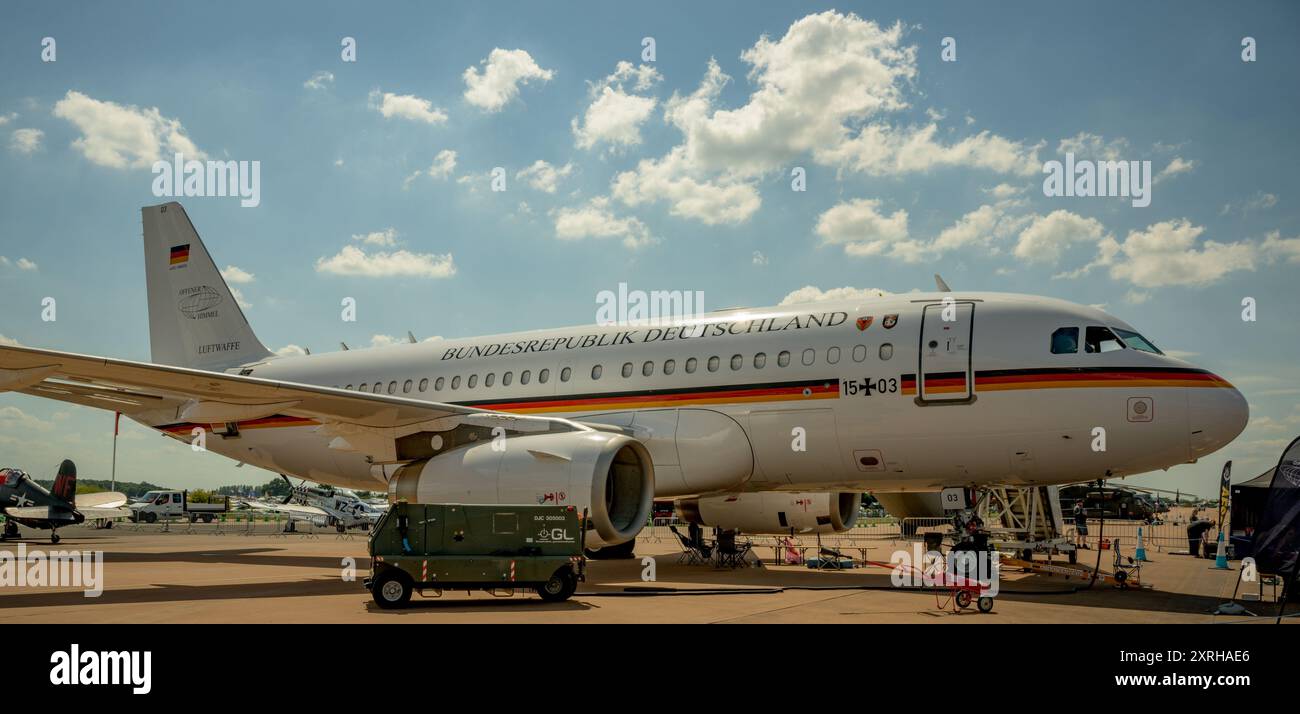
117 417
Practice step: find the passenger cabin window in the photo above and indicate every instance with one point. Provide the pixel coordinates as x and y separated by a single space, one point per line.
1101 339
595 372
1137 342
859 353
379 387
437 386
424 385
783 359
525 376
406 386
1065 341
627 369
737 362
490 379
507 378
348 387
544 376
565 374
362 388
833 355
809 356
713 363
473 381
760 360
669 366
455 382
647 369
691 364
886 351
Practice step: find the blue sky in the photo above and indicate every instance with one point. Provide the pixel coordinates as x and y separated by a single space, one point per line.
914 166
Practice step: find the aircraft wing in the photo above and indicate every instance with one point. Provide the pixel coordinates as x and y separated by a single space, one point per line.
293 509
160 395
94 514
104 499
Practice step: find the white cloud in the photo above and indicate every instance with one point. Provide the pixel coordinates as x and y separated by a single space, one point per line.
1136 297
883 150
979 227
291 351
15 418
1259 201
120 136
759 258
498 83
6 118
821 89
863 230
444 164
10 341
1275 246
1047 237
667 179
1177 165
1004 191
1094 147
615 115
1167 253
596 220
239 297
25 141
389 340
237 275
25 264
809 293
543 176
319 80
406 106
386 237
354 261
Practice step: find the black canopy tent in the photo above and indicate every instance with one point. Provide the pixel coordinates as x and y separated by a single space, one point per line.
1248 499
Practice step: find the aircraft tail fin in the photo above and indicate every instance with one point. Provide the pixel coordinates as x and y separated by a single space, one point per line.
194 318
65 484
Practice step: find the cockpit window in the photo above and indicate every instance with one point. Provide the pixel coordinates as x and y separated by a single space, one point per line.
1137 342
1101 339
1065 341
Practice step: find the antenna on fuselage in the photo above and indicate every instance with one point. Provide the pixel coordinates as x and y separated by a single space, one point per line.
941 285
344 345
410 336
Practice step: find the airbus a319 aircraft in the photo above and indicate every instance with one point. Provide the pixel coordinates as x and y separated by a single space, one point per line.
764 420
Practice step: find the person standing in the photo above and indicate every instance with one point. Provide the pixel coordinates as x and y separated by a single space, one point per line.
1080 526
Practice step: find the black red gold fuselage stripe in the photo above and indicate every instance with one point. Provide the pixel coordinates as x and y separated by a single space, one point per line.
936 382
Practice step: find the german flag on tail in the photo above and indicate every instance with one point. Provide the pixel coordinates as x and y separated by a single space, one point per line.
180 254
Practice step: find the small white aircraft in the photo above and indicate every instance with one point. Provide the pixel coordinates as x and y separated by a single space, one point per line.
322 507
764 420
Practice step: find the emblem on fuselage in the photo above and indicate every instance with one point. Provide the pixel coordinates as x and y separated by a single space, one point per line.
865 322
889 321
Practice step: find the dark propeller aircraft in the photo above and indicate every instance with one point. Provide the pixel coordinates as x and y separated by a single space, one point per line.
24 501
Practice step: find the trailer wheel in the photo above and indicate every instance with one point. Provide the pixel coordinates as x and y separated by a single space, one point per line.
560 587
391 590
985 604
963 599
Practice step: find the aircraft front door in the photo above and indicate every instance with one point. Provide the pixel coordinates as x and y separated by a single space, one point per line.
944 371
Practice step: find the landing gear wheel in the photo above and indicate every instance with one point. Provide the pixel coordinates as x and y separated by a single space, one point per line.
560 587
985 604
54 538
391 590
963 599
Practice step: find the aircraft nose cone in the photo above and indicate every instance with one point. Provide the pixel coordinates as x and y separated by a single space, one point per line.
1216 417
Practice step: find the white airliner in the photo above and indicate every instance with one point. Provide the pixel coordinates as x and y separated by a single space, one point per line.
765 419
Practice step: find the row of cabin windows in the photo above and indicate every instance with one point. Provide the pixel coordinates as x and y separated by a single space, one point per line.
808 357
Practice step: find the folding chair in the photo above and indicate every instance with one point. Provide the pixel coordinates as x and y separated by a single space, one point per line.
691 553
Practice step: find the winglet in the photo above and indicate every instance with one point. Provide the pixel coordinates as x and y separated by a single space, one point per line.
941 285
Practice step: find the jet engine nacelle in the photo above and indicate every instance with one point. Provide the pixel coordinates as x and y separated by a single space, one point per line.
774 511
611 475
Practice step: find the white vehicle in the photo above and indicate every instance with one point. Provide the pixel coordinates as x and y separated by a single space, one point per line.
764 419
174 505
